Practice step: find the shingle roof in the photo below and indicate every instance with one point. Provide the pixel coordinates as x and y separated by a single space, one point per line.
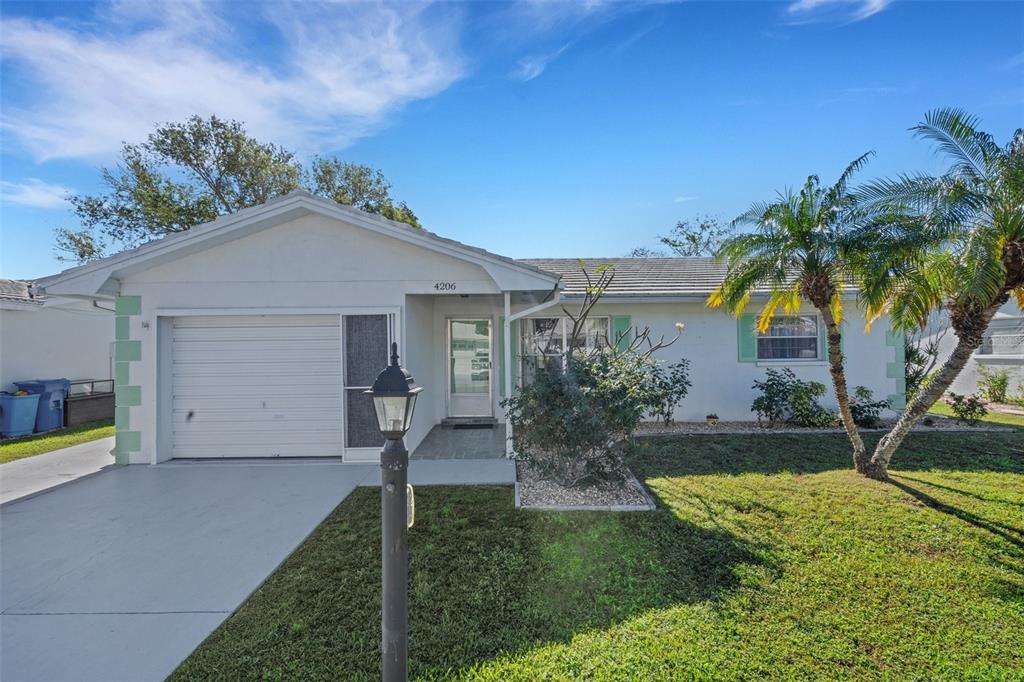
18 290
639 276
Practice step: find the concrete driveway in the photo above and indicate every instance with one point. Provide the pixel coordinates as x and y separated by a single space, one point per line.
120 575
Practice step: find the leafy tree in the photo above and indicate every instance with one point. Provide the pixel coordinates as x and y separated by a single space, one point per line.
186 174
700 236
797 252
960 247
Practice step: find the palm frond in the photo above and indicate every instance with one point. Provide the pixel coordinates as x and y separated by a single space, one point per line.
955 132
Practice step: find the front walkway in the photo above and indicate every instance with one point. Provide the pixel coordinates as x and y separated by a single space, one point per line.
31 475
463 442
119 576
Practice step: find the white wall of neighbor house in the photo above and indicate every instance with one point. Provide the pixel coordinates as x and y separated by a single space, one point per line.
46 342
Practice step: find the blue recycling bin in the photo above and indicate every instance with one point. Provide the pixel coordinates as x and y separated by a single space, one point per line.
52 393
17 414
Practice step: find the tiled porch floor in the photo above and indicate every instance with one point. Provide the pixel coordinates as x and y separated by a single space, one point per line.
447 442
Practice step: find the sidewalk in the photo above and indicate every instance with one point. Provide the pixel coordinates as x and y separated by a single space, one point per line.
34 474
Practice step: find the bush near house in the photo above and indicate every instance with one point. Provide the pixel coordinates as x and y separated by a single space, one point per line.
786 399
571 424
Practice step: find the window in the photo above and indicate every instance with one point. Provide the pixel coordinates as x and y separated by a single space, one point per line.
790 337
544 341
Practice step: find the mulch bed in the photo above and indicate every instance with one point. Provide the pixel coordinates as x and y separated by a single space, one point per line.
938 423
535 492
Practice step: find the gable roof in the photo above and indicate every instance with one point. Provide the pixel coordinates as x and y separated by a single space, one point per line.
95 277
695 277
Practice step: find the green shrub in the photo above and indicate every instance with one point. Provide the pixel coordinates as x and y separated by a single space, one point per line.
968 408
867 413
784 398
570 424
994 384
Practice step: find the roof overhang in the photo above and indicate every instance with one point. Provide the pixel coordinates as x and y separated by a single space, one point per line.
101 278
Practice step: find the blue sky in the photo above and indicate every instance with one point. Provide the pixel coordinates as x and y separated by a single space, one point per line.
529 128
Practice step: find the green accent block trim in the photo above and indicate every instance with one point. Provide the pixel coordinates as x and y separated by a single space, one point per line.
128 441
895 338
898 401
895 370
121 373
122 418
128 305
127 396
120 458
746 338
622 327
121 328
127 351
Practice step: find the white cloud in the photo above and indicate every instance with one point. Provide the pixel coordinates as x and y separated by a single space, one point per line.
330 74
532 66
35 193
848 10
683 199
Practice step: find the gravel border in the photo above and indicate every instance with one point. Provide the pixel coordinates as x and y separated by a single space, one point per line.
941 423
534 492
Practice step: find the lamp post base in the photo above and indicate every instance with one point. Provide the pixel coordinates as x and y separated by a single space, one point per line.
394 476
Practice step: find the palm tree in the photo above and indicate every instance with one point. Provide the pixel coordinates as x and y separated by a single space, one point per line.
960 247
798 252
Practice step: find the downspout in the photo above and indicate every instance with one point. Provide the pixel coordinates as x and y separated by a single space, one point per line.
507 346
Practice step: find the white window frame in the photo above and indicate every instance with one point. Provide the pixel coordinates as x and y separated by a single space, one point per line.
817 341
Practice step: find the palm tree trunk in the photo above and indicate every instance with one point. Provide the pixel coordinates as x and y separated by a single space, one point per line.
835 362
878 467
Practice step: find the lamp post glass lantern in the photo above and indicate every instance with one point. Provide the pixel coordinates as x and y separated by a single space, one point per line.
394 398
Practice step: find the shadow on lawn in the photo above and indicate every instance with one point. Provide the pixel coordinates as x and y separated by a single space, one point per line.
1012 534
507 582
773 453
486 581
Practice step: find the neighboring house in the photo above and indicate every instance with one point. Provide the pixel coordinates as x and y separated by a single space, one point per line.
256 335
50 338
1001 349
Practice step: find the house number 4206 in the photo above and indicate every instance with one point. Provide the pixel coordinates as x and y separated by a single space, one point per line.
444 286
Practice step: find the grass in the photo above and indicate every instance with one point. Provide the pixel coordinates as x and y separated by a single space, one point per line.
992 417
28 446
767 558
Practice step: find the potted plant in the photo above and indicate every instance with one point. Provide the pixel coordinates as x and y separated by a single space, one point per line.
712 419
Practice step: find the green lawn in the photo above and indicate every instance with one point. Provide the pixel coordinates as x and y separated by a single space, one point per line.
47 442
767 558
1000 418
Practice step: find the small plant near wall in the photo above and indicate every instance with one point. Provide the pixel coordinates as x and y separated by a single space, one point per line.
712 419
867 412
968 408
786 399
993 384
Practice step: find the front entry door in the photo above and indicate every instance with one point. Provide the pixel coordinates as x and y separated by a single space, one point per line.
469 368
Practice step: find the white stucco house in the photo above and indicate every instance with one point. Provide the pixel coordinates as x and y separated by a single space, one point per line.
1002 349
45 337
256 335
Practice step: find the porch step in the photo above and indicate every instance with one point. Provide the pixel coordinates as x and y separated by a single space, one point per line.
469 421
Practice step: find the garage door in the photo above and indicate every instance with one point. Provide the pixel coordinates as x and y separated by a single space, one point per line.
257 386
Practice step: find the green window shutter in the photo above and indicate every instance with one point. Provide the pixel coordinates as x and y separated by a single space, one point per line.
746 337
621 327
514 333
822 339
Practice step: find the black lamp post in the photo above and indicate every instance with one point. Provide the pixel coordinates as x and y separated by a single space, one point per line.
394 397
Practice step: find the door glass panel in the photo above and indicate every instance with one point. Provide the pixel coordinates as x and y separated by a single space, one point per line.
470 357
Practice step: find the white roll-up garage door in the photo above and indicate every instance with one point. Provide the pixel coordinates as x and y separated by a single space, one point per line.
257 386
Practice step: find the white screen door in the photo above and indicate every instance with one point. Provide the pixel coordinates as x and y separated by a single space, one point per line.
469 368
